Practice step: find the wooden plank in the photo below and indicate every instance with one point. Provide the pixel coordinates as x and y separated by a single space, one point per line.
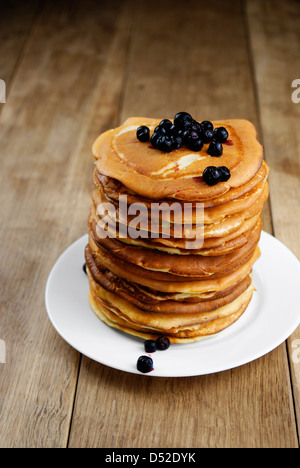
193 58
58 103
236 408
16 21
275 40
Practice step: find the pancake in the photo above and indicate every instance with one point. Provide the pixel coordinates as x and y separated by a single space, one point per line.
215 327
178 174
157 302
113 189
192 265
225 225
187 325
174 211
164 283
209 246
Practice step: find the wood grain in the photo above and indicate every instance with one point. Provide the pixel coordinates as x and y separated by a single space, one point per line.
16 21
75 69
45 195
275 41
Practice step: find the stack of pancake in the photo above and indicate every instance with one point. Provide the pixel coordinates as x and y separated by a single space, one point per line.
153 278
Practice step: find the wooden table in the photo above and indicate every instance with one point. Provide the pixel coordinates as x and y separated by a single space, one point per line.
72 70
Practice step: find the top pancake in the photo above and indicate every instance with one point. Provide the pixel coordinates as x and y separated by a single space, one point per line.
178 174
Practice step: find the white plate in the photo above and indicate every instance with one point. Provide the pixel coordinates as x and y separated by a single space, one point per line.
271 317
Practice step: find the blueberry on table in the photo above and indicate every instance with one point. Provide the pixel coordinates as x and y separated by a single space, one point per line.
162 343
212 175
144 364
225 173
220 134
143 133
150 346
215 149
84 268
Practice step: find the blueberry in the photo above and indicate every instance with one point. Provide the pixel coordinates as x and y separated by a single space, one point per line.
150 346
160 130
143 133
220 134
162 343
144 364
207 136
178 142
173 130
215 149
166 124
184 134
154 139
207 125
193 135
225 173
164 143
183 120
195 144
212 175
84 268
197 127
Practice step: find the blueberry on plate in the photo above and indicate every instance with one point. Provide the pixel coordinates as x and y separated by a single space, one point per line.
225 173
215 149
220 134
144 364
212 175
183 120
150 346
162 343
143 133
